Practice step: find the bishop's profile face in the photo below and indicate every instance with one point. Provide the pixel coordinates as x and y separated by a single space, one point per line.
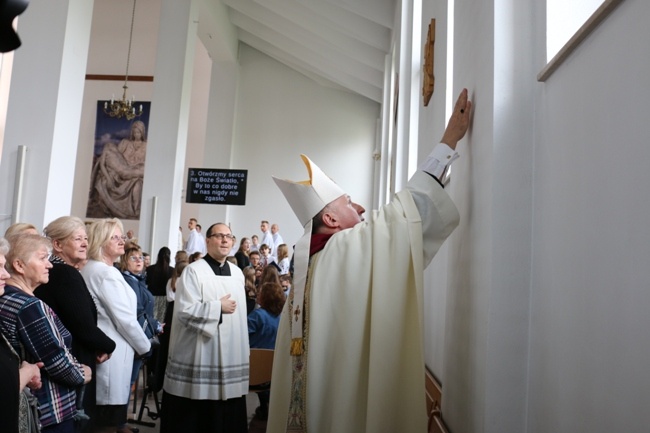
348 213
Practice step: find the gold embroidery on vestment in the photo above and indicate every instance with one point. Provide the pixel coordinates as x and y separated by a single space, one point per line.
297 419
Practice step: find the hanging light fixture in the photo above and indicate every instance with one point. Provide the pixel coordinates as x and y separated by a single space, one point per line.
124 107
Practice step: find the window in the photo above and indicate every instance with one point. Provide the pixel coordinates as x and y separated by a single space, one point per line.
563 19
568 23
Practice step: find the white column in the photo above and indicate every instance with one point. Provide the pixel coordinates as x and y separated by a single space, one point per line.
44 109
168 130
218 147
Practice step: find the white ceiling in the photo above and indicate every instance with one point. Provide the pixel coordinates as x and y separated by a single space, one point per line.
340 42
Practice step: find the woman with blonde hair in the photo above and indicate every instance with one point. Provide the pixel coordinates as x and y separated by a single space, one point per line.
182 260
116 307
283 259
38 335
16 375
67 294
20 229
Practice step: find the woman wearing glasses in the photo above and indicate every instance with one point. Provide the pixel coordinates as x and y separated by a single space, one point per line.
116 307
66 293
132 266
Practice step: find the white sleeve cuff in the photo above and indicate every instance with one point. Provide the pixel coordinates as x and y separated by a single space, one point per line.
441 157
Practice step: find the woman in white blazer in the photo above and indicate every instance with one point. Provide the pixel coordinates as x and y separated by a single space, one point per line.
117 317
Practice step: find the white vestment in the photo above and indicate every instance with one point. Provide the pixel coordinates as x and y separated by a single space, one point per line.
267 238
363 361
195 243
208 350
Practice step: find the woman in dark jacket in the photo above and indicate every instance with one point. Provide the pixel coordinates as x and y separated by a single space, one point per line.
66 293
132 266
242 253
157 276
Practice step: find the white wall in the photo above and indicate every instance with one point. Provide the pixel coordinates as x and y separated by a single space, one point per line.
487 303
432 125
546 318
590 343
107 56
281 114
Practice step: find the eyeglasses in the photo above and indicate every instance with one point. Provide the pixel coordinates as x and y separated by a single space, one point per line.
136 258
117 238
221 236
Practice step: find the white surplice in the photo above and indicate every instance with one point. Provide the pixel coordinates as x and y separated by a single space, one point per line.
208 350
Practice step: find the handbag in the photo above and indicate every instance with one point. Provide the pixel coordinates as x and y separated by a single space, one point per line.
29 414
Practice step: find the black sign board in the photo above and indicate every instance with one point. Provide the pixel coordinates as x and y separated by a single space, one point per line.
216 186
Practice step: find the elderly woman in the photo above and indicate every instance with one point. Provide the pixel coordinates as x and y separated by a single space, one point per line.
67 294
116 307
15 375
38 335
21 228
132 267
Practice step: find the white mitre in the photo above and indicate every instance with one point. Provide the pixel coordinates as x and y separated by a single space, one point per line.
306 198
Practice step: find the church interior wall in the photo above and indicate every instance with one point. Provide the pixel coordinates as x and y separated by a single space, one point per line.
546 300
281 114
589 343
564 233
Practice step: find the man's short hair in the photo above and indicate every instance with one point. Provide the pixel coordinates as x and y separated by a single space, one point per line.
264 222
254 253
209 232
194 219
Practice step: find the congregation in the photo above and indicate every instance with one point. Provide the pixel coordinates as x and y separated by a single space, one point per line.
81 312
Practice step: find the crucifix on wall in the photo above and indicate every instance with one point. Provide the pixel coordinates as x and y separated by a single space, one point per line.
428 79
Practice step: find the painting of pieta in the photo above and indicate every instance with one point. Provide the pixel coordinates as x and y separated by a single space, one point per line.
118 165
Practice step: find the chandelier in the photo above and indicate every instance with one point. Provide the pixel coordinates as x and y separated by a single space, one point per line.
124 107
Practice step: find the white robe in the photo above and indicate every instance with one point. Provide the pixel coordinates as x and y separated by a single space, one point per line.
364 345
208 360
117 317
195 243
267 238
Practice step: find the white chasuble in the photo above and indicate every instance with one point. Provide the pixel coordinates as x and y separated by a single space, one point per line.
363 366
